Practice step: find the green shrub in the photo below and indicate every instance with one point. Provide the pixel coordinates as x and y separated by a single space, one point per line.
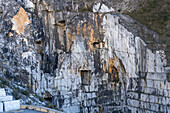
41 99
155 15
16 94
153 3
25 92
4 82
83 9
28 103
51 106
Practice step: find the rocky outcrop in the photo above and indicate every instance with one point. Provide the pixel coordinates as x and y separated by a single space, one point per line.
83 61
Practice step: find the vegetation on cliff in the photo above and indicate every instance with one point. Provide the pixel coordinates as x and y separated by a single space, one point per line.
155 14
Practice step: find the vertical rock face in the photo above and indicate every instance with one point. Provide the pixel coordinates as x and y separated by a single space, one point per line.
83 62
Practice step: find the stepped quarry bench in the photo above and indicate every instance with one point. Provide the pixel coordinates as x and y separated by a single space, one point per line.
7 103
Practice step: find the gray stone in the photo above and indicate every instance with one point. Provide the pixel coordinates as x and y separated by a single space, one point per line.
11 105
5 98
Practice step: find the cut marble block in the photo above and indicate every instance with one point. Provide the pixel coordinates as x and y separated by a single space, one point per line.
2 92
5 98
1 107
11 105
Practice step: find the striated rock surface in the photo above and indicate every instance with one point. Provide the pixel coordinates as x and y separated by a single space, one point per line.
83 61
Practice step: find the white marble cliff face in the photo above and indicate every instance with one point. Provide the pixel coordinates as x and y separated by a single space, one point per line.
84 62
132 50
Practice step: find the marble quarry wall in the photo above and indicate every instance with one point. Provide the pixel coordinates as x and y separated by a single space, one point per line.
90 62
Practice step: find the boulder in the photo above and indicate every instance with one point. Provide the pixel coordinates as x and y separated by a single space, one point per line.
5 98
11 105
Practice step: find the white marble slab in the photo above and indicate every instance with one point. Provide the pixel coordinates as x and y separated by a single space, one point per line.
5 98
2 92
11 105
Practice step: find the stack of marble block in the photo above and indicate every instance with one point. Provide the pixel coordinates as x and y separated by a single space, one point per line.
6 102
